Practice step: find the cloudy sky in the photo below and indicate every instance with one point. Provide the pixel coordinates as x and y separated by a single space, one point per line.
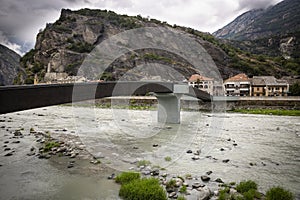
21 20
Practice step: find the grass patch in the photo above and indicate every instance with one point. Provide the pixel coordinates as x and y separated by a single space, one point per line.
278 193
168 158
183 189
49 145
126 177
181 198
143 189
143 163
269 112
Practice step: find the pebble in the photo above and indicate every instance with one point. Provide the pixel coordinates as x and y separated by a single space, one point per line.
204 193
189 151
173 195
112 176
218 180
209 172
197 185
155 172
5 142
225 161
222 149
205 178
70 165
16 141
9 154
7 149
235 144
195 158
155 145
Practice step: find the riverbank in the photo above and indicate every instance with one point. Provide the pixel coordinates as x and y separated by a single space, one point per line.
267 111
241 149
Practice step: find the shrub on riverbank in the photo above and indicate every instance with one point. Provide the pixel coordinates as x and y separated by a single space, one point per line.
127 177
278 193
132 187
245 186
143 189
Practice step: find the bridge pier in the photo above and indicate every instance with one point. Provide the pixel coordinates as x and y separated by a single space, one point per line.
168 108
169 104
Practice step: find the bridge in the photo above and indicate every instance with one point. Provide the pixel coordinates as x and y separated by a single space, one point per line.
24 97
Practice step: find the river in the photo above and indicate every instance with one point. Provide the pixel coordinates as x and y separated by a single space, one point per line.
235 147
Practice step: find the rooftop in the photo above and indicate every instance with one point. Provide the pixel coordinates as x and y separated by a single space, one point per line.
238 77
196 77
267 80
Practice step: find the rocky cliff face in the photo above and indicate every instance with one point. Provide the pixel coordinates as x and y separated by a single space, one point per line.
238 25
282 18
63 45
9 65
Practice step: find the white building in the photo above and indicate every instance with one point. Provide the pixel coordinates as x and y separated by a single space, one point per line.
238 85
203 83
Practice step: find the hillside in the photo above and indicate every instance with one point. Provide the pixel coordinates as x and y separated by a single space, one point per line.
279 19
63 45
9 65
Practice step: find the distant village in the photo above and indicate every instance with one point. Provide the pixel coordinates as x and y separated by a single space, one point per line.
238 85
242 85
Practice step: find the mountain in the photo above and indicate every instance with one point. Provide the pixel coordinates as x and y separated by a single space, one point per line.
9 65
279 19
63 45
272 33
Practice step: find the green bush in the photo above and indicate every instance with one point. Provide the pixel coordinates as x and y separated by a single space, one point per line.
278 193
127 177
251 194
245 186
141 189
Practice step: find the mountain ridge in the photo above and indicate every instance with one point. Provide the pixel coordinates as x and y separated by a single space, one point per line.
9 65
281 18
62 46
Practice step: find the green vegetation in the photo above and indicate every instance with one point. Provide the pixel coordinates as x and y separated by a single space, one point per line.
152 56
188 176
183 189
143 163
278 193
247 191
127 177
269 112
140 189
295 89
245 186
168 158
81 47
132 187
181 198
49 145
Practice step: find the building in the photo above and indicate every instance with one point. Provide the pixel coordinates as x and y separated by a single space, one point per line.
203 83
238 85
269 86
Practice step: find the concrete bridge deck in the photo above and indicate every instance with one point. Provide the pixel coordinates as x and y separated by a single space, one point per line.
18 98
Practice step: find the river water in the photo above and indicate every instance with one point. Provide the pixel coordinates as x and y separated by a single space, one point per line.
235 147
